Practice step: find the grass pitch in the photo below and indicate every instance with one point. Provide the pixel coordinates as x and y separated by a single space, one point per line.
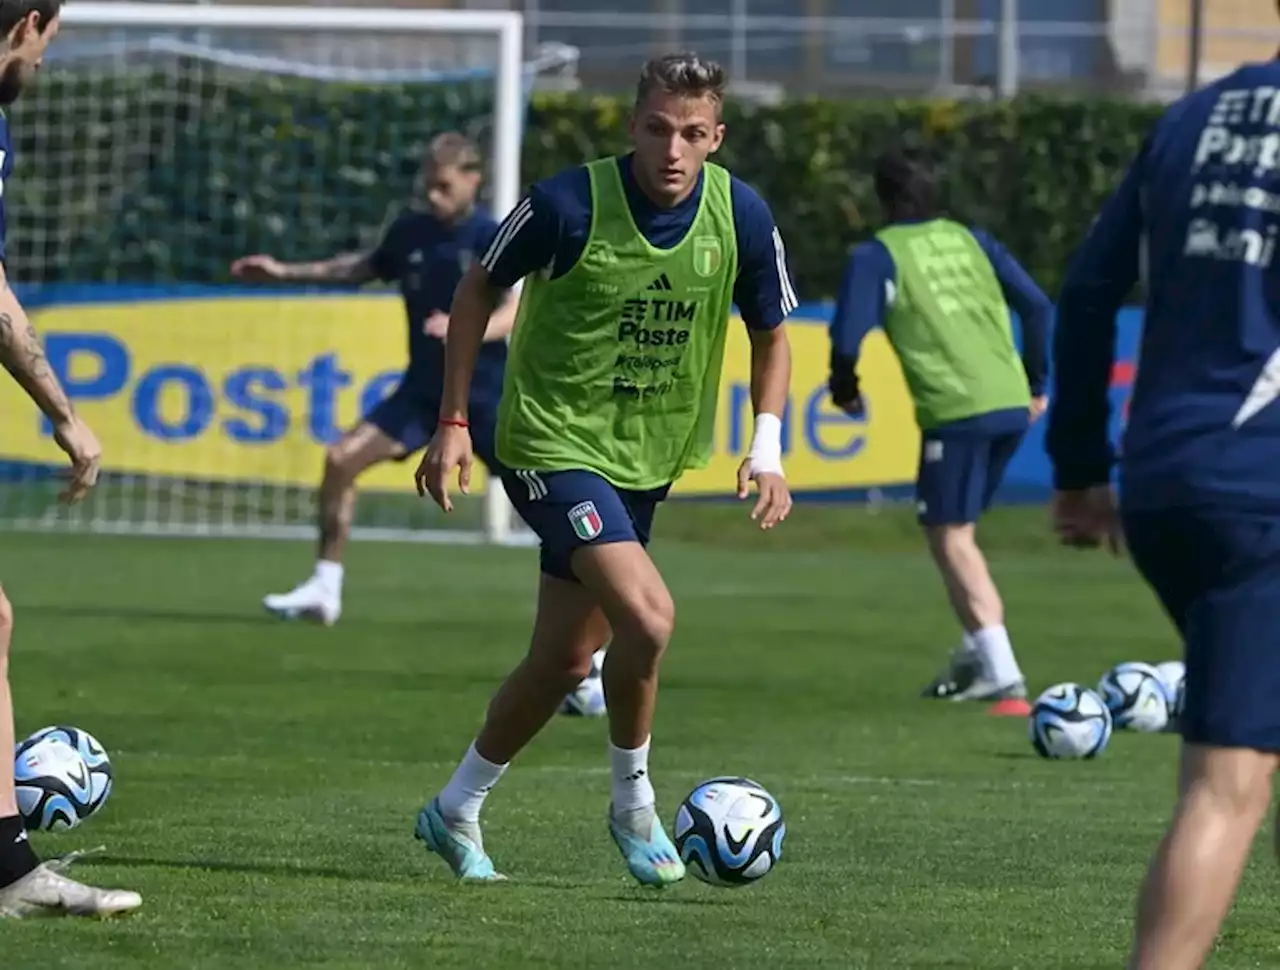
268 774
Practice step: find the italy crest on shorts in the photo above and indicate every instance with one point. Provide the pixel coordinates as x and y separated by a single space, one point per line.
586 521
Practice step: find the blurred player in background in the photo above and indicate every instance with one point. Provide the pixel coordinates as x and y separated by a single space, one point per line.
633 267
28 887
942 293
426 251
1196 218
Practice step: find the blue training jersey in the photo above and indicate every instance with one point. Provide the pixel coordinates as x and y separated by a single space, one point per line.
428 258
548 231
1196 216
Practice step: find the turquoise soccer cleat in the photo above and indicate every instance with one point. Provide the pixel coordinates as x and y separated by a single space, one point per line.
652 859
464 854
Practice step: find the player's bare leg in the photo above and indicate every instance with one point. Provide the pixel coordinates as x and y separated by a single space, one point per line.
320 596
634 597
27 887
1224 794
984 668
568 629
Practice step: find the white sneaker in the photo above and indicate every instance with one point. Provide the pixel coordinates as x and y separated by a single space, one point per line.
45 891
312 600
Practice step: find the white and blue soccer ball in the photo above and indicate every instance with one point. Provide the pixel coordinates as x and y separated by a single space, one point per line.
62 777
1069 721
1173 677
729 831
1136 697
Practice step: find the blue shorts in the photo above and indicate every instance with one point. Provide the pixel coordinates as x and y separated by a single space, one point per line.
410 419
960 472
1218 578
572 509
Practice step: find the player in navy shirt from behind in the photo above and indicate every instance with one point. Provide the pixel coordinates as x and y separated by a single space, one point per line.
426 251
555 219
1197 217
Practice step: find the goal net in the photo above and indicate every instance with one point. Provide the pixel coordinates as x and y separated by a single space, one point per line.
160 143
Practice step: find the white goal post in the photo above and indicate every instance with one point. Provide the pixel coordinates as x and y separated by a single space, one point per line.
180 459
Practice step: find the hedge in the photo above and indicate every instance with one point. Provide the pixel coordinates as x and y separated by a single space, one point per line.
161 174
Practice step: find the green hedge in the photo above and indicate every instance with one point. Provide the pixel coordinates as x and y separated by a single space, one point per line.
1033 171
169 174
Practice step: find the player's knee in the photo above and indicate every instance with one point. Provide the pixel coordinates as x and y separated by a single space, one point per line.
339 464
1233 781
952 542
650 621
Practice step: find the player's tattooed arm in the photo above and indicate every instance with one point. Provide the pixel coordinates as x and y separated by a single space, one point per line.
353 268
23 356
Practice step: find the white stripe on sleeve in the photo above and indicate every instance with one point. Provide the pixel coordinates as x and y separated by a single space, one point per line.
508 231
789 299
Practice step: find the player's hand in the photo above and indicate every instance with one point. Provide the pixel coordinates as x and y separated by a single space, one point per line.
774 502
1039 405
81 446
450 448
436 325
851 406
1087 517
845 393
259 268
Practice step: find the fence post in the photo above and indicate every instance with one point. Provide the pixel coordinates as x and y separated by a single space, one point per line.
1195 44
1007 50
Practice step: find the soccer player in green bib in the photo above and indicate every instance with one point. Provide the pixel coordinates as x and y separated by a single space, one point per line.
632 267
942 293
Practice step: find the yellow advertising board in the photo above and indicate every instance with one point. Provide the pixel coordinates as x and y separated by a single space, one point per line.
251 388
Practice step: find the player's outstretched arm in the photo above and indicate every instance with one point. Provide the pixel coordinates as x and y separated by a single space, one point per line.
23 357
352 268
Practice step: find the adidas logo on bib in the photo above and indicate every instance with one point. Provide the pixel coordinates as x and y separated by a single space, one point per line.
586 521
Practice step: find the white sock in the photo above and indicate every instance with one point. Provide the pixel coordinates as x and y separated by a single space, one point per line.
597 661
632 788
470 785
329 575
994 651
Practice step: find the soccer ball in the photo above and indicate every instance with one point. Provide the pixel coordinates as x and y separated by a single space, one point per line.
1069 721
63 777
1173 676
1136 697
729 831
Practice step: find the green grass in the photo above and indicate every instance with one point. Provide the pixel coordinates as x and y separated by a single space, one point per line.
268 774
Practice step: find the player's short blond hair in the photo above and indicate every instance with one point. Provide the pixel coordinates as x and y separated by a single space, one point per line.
452 149
685 74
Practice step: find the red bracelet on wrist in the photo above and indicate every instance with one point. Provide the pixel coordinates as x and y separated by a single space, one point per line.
455 422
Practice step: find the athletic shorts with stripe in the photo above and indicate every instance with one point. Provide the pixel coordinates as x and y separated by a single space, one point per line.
575 508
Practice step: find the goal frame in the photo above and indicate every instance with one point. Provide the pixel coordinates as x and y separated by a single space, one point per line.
506 25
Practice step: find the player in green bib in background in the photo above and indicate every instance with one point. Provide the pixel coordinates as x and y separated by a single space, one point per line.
632 268
942 293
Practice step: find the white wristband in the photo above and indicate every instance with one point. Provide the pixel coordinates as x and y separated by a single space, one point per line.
766 445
